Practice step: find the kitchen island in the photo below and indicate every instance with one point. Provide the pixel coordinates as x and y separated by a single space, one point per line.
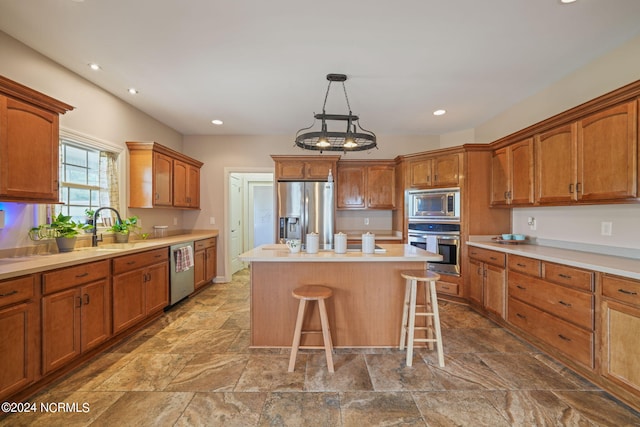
365 309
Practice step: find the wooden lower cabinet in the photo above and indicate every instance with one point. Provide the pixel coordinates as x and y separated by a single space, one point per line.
205 260
621 333
140 287
555 304
487 280
77 318
19 335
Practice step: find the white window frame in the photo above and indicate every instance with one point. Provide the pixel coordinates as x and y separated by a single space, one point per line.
42 212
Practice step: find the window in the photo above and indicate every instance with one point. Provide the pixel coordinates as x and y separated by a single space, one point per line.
88 179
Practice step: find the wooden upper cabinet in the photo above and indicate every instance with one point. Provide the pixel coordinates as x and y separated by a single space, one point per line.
608 154
186 185
29 139
593 159
512 175
366 185
161 177
351 187
381 187
435 171
556 154
420 172
304 168
500 177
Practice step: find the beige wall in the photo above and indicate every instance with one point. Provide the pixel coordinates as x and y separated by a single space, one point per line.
97 114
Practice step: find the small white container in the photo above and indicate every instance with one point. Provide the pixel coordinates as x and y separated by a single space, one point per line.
368 243
160 231
313 243
340 243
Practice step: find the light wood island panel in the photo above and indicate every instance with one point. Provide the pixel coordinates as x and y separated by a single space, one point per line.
364 311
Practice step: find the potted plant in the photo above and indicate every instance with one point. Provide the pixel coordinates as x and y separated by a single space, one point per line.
62 228
121 229
90 213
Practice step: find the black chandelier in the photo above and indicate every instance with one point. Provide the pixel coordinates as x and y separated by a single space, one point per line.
353 138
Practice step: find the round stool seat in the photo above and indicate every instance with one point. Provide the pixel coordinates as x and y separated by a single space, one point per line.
420 275
312 292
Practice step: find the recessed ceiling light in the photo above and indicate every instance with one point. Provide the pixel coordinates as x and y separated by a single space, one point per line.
133 91
567 1
94 66
217 122
439 112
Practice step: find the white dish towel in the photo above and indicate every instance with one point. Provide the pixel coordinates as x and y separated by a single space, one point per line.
432 244
184 258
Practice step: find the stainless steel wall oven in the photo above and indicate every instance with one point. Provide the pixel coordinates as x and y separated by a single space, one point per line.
441 238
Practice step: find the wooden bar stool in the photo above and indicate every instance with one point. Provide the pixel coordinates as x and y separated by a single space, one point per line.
319 294
429 310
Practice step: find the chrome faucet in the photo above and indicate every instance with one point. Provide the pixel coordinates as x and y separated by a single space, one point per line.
94 238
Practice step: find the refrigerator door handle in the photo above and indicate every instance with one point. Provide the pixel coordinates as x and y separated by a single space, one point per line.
306 214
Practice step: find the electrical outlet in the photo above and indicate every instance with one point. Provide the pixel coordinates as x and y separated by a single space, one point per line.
606 228
366 221
212 220
532 223
175 220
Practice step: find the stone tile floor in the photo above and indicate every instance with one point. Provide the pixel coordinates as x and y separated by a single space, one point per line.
193 367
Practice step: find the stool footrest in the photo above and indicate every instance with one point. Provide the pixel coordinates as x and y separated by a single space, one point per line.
311 347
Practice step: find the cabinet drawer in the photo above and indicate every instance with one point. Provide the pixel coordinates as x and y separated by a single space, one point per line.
447 288
485 255
622 289
73 276
567 338
204 243
132 262
15 290
569 276
530 266
570 304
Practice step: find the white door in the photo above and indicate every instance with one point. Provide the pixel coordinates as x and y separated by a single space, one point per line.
235 222
261 230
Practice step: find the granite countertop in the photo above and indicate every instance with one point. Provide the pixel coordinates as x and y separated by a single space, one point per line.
621 266
19 266
393 253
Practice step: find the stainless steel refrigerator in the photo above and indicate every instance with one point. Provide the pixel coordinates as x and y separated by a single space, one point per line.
306 207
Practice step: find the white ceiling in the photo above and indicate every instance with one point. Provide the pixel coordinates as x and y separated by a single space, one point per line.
260 65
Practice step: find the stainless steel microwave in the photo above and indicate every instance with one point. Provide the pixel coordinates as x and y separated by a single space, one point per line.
438 204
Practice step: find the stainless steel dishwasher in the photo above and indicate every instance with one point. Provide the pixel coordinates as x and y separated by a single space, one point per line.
182 282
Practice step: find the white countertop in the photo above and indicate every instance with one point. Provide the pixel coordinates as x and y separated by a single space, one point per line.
626 267
393 253
18 266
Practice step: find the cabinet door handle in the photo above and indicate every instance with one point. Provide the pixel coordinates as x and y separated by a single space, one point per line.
570 188
131 262
566 304
158 256
521 265
86 299
622 291
521 287
562 337
13 292
522 316
493 258
79 302
85 274
564 276
578 188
